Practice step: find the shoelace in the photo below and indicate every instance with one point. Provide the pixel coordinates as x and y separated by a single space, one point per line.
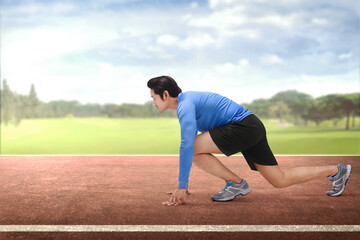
332 180
226 186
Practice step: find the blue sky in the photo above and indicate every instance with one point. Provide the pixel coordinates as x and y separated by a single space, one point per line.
105 51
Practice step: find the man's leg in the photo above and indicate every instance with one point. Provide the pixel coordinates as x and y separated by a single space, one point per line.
204 146
281 179
211 164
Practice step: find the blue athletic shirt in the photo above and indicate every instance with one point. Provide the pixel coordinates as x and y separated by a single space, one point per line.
202 111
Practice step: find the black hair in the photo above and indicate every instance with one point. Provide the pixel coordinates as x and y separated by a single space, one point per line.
162 83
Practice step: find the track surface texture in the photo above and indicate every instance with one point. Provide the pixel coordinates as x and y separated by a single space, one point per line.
129 190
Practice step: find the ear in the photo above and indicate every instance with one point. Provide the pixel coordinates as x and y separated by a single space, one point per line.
166 95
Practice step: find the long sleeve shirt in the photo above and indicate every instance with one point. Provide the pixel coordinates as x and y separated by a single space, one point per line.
202 111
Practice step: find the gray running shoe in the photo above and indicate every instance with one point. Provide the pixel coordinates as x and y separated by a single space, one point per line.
339 180
231 191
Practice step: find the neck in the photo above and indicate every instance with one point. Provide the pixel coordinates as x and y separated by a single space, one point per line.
173 103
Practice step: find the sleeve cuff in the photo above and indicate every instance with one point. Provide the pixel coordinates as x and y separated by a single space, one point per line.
183 185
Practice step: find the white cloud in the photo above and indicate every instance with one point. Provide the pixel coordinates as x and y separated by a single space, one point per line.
315 58
245 33
159 52
345 55
277 20
232 15
26 46
97 82
243 62
271 59
194 5
231 19
33 9
197 40
238 68
221 19
319 21
222 68
105 54
317 86
220 3
168 40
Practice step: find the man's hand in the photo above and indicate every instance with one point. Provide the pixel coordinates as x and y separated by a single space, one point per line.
187 191
177 198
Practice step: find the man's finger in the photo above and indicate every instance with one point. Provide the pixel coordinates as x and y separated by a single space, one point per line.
170 202
170 192
166 203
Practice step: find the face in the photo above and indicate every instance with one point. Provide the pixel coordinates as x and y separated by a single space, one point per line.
160 104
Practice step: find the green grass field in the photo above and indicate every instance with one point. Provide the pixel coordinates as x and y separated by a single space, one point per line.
157 136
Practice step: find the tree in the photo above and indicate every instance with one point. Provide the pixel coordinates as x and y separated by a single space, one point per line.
319 111
0 106
299 103
349 104
20 103
260 107
279 110
336 106
330 107
111 110
32 105
7 103
355 99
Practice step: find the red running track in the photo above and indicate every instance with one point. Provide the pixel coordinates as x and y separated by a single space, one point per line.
129 190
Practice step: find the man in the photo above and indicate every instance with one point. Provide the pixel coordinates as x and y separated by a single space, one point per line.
228 128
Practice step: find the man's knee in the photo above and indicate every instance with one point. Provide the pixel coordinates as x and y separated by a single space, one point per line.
274 175
197 157
278 184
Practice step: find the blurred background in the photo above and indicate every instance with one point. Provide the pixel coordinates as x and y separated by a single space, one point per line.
74 73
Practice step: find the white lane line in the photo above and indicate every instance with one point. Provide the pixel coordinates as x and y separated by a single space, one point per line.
179 228
170 155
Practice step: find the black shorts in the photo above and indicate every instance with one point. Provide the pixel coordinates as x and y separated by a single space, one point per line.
248 137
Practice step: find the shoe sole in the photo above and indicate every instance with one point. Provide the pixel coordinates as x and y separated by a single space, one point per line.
347 175
246 192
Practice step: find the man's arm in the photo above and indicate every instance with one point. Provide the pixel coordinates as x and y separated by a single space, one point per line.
187 119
